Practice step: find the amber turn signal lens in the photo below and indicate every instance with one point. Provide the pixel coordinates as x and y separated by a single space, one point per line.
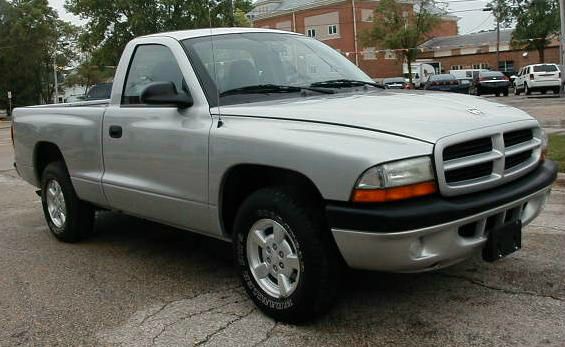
394 194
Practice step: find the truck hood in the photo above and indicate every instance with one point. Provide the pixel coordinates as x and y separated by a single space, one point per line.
420 115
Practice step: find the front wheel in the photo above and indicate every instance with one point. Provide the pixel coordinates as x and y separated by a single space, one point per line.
284 255
68 218
516 90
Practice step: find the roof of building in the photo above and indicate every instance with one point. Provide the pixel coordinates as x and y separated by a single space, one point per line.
285 6
483 38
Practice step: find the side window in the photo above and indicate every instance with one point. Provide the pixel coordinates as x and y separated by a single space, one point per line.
150 63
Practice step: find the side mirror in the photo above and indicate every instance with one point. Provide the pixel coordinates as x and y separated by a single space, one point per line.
165 93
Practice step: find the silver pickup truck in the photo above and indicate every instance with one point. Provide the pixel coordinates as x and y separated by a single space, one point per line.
279 144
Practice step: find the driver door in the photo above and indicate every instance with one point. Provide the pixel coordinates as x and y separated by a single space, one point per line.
156 157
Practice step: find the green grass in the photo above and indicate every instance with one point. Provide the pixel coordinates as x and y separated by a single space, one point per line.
557 150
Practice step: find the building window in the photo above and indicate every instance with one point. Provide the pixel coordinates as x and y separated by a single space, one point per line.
506 66
369 53
332 29
482 66
390 54
366 15
311 33
456 67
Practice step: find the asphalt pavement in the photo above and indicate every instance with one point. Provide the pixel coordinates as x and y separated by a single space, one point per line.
136 283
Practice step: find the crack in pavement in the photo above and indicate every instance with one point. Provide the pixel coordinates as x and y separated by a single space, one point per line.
165 305
500 289
194 314
268 335
209 336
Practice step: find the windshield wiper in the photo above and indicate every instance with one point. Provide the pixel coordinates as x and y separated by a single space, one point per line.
273 88
345 83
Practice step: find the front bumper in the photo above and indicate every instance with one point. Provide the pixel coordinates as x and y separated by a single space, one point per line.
434 232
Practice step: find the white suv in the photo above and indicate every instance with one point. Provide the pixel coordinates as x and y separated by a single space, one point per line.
538 77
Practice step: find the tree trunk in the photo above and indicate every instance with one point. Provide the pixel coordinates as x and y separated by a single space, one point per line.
409 62
541 51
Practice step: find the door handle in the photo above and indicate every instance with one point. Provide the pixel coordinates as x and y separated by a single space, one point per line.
115 131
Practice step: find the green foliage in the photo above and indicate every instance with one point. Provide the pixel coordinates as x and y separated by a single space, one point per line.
557 150
537 21
396 26
111 24
30 39
88 74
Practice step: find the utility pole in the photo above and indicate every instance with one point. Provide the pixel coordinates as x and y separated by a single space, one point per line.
496 13
562 46
56 97
9 104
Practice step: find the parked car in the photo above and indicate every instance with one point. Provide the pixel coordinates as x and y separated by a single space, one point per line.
491 82
394 83
303 173
538 77
75 98
447 83
99 91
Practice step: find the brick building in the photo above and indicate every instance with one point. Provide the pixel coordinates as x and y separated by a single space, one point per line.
339 24
478 51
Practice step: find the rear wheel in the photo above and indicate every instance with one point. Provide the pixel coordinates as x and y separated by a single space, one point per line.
497 94
505 92
284 255
527 90
68 218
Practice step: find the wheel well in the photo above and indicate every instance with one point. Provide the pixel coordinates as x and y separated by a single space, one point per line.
242 180
44 154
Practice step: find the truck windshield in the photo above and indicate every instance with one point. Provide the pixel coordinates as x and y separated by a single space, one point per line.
245 67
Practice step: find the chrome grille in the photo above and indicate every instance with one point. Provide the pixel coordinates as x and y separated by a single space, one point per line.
486 158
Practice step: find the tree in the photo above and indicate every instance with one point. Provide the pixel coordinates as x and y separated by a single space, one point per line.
31 36
396 26
537 21
88 74
111 24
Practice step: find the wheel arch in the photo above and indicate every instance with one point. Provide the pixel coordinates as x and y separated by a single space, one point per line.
241 180
45 153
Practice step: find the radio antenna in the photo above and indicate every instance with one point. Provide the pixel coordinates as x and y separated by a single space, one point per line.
220 122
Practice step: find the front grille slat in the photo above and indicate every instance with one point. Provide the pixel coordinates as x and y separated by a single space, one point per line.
480 163
467 149
519 136
469 173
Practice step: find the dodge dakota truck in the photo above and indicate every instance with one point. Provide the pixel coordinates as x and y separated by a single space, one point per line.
277 143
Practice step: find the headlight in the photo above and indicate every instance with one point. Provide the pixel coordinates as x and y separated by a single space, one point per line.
397 180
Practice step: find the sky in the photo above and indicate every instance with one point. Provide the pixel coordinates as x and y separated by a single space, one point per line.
471 21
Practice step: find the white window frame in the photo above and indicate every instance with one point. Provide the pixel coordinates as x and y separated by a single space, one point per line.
332 29
311 32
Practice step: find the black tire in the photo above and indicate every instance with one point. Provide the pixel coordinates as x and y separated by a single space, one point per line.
556 91
320 263
544 91
527 89
497 94
505 92
516 90
478 92
79 219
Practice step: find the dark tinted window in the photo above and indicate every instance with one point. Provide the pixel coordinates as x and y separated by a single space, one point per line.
150 63
545 68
